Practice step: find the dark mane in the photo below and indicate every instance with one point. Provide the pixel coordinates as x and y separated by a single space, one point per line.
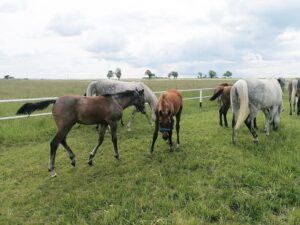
119 94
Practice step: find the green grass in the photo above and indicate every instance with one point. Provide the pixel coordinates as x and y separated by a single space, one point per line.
207 180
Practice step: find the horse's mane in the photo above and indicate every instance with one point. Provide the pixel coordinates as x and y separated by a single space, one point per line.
120 94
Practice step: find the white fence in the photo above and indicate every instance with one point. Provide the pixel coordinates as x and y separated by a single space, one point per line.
200 97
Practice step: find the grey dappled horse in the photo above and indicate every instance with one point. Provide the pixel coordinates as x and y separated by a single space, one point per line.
101 87
294 93
251 95
69 110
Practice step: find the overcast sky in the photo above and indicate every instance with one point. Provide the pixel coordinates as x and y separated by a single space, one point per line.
85 39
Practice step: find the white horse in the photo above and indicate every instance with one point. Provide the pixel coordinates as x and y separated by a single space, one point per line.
294 93
251 95
101 87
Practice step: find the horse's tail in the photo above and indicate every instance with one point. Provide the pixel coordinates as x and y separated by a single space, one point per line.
240 102
28 108
294 89
91 89
217 94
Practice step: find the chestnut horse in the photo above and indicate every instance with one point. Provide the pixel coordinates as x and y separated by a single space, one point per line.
169 105
69 110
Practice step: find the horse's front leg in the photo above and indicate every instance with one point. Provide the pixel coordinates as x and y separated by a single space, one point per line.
53 147
178 117
113 128
155 134
170 139
131 119
100 141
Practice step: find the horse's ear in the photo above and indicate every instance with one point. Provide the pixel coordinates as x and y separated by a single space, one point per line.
160 113
141 92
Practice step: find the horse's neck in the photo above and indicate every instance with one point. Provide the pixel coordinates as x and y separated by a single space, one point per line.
150 97
124 101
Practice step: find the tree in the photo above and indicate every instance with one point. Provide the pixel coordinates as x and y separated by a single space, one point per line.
110 74
212 74
118 73
227 74
149 74
173 74
200 75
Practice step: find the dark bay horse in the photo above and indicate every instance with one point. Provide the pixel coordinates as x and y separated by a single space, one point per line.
69 110
169 105
222 92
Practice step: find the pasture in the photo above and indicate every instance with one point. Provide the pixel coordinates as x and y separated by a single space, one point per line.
207 180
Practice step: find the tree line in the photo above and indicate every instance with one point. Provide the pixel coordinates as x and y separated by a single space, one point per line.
174 74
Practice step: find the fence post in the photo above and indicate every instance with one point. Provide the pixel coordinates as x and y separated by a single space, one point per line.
200 99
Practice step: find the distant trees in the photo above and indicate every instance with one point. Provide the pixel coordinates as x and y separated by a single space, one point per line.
110 74
118 73
149 74
227 74
173 74
8 77
212 74
200 75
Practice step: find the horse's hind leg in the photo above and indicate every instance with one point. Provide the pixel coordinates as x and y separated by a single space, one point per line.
100 141
220 115
69 151
225 110
248 123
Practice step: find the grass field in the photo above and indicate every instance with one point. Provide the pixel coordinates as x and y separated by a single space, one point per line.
207 180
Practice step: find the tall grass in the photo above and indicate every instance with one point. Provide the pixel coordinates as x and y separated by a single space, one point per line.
207 180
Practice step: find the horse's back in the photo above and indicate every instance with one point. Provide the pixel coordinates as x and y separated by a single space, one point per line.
264 92
170 97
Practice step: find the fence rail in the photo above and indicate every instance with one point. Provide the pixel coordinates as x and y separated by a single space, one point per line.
200 97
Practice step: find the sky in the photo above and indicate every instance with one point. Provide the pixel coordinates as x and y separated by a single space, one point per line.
62 39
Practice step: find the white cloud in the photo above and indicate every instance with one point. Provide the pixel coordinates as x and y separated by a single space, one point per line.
85 39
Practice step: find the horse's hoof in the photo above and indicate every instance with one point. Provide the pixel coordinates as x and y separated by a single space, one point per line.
73 162
117 157
90 163
177 146
129 129
53 173
255 141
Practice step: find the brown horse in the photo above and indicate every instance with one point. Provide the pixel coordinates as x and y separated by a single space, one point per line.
169 105
69 110
224 93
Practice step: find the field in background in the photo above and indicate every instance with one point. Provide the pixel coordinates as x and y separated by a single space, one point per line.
206 180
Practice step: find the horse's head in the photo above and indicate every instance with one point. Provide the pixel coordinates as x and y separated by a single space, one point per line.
164 114
139 100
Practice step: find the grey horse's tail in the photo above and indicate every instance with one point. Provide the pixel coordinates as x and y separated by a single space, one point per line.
240 102
294 89
91 89
28 108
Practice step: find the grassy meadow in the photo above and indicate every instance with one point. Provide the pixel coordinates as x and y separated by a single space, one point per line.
208 180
